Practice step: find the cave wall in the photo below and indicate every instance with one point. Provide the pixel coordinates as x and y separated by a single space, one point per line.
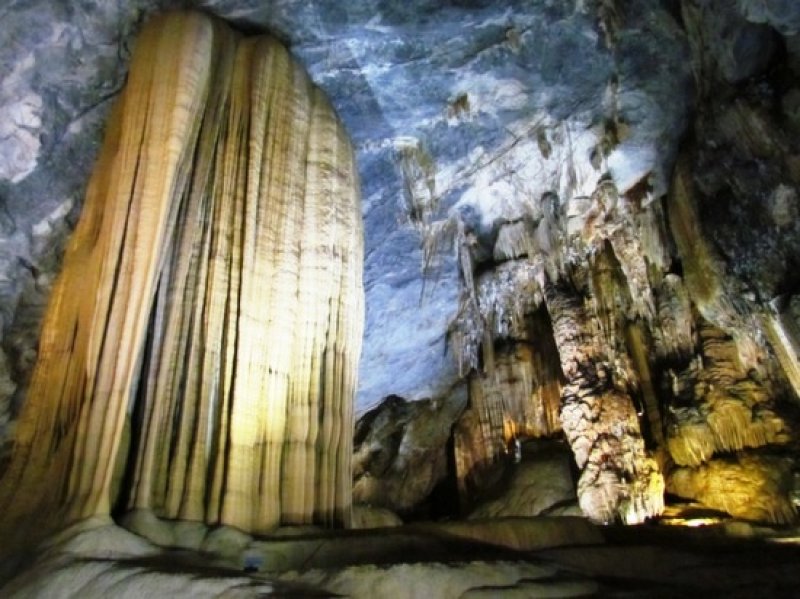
669 311
485 98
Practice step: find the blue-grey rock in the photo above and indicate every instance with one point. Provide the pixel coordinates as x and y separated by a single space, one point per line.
783 15
454 108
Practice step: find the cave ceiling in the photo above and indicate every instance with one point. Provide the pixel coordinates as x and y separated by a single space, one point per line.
474 108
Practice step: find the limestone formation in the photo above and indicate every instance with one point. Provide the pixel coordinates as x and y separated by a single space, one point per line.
731 411
600 422
749 486
518 399
583 213
602 383
400 452
541 483
210 295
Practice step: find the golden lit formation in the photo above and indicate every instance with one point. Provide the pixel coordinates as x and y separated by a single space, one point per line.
199 353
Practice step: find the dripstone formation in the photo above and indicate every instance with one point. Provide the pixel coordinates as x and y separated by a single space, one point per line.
199 352
581 265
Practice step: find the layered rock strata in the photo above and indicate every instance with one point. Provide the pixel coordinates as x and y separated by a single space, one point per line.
210 301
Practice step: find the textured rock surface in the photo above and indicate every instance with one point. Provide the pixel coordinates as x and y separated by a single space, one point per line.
571 557
400 451
213 284
97 559
518 399
506 146
750 487
541 484
475 579
483 103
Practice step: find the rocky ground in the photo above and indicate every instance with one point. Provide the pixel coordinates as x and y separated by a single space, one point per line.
556 557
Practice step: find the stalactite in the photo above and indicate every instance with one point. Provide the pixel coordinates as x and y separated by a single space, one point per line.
216 277
730 410
515 395
629 252
480 436
522 392
505 296
617 479
475 457
614 222
515 240
418 169
674 333
98 312
622 335
518 399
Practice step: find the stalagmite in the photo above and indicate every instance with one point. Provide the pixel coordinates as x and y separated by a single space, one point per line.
617 479
214 283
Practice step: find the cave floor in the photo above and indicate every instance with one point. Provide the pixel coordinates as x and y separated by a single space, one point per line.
717 561
531 557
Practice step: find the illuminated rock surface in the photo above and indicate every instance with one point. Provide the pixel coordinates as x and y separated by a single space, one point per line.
210 295
581 226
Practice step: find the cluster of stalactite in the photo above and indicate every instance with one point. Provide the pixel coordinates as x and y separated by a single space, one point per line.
675 319
210 307
663 370
731 410
518 399
584 355
728 404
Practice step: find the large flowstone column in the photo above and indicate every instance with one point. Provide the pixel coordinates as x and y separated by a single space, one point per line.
211 296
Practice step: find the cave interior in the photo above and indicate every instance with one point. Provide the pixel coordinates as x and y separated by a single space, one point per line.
433 299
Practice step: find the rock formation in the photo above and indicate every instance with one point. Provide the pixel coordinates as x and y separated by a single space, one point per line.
582 213
541 482
401 452
204 332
